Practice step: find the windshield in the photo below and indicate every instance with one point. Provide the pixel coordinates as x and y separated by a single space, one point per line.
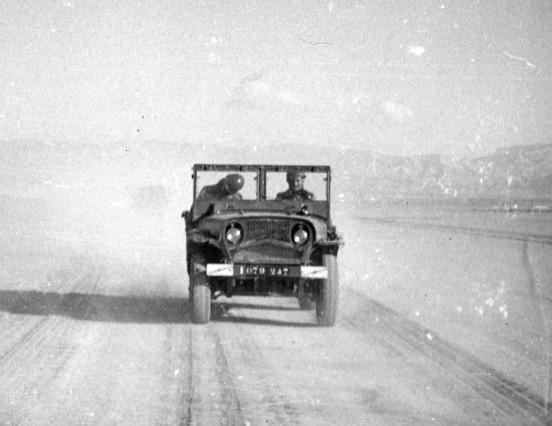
225 185
296 186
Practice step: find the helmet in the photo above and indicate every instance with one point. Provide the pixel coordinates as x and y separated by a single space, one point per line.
234 182
291 176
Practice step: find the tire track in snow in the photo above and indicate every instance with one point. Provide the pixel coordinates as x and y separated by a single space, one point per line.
231 409
41 330
258 376
35 357
538 297
479 232
211 397
515 402
188 396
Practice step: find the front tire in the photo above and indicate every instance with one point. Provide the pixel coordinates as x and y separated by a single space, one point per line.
200 298
328 293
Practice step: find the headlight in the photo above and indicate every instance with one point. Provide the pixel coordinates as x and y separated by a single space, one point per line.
234 234
300 235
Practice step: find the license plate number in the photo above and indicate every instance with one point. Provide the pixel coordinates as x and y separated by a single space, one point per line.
267 270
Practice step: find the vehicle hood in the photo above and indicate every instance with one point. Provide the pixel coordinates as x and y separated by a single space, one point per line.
211 225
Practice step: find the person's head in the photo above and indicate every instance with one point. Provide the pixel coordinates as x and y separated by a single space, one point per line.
232 183
295 180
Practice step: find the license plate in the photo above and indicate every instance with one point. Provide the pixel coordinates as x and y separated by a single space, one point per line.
267 270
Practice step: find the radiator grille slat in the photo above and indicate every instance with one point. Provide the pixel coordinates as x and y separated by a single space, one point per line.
267 253
263 238
275 229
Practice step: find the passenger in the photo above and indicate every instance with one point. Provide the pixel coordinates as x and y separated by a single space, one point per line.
225 189
295 181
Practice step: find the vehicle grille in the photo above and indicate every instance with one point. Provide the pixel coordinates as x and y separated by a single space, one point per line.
267 240
275 229
267 253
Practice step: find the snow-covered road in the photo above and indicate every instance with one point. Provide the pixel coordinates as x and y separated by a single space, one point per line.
444 317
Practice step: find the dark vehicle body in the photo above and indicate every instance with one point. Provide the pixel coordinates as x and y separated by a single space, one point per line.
260 245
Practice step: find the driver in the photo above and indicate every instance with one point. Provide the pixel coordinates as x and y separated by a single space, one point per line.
225 189
295 191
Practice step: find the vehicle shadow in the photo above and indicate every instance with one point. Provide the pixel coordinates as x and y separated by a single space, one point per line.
260 307
137 309
228 312
96 307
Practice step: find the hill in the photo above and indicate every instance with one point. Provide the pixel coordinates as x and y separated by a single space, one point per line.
518 172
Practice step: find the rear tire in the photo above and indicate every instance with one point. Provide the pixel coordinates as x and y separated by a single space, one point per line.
200 295
328 293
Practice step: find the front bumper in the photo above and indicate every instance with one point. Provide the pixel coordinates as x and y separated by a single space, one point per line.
266 271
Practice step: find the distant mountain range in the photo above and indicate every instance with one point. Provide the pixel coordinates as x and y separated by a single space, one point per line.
510 173
520 172
517 172
513 172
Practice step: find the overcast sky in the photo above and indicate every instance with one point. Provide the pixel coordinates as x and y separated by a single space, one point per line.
404 77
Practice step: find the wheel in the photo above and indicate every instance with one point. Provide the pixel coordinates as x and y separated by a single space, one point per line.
200 297
328 293
306 301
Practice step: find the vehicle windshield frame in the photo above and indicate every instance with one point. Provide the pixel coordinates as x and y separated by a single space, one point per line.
261 172
207 207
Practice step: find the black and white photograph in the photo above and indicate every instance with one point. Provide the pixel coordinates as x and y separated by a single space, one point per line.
333 212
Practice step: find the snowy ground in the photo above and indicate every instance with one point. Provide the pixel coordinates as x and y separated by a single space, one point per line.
481 281
445 311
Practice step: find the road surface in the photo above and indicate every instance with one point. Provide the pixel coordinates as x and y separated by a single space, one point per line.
444 311
93 341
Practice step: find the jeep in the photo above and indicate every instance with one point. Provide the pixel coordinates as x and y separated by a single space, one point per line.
262 230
